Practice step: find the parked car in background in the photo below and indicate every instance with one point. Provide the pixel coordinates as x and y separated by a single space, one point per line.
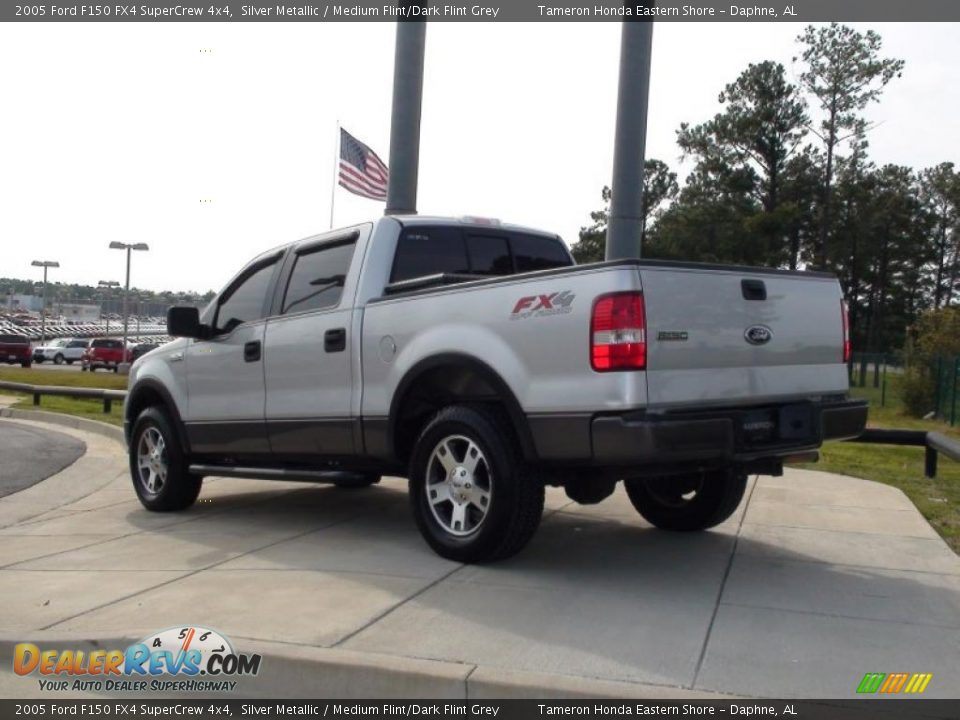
142 349
15 349
65 350
105 353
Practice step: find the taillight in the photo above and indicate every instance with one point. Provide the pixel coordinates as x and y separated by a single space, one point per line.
618 332
847 349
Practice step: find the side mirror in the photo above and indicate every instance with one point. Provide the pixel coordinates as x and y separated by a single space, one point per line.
185 322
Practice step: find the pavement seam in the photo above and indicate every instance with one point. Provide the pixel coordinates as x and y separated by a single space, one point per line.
396 606
937 539
841 616
723 585
420 592
466 682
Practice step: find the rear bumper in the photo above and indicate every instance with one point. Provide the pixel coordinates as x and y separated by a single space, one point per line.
643 438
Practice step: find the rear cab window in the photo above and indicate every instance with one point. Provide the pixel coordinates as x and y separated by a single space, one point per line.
464 250
14 340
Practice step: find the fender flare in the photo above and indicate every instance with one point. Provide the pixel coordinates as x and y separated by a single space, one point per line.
518 418
169 405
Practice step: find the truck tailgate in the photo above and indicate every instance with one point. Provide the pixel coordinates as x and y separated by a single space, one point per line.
716 336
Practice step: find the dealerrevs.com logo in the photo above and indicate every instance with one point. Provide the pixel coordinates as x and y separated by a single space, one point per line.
178 659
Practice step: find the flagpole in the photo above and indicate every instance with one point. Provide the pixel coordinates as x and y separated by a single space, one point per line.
336 164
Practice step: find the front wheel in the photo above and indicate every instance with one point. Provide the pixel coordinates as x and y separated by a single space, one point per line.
473 497
692 501
158 465
58 359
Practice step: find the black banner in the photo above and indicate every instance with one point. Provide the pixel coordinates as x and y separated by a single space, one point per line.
488 709
505 10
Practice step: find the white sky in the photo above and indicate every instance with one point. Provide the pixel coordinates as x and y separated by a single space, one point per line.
117 131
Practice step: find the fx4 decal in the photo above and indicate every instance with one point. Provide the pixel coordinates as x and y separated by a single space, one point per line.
555 303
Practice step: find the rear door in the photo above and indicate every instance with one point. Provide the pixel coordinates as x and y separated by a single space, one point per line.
309 351
719 336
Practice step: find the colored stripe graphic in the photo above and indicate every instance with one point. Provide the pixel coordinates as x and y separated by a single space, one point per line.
893 683
871 682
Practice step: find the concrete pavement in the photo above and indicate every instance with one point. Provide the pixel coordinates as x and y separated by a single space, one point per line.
817 580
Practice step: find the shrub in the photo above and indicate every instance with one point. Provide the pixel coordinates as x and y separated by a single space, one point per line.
917 390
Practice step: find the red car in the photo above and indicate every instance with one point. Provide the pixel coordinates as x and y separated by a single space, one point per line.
104 353
16 349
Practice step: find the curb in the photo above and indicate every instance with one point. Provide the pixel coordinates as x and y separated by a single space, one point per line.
71 421
303 671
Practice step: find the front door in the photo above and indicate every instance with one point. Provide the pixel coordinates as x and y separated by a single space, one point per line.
225 380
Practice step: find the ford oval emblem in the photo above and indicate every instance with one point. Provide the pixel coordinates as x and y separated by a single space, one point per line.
758 334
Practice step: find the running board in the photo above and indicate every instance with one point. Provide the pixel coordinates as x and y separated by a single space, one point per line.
255 473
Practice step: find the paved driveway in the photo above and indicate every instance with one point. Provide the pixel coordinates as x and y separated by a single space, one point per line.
31 454
816 581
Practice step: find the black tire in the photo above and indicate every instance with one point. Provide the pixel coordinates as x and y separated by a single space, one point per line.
25 365
361 481
695 501
179 489
69 362
58 359
514 491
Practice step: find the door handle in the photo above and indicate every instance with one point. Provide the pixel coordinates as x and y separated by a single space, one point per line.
335 340
251 351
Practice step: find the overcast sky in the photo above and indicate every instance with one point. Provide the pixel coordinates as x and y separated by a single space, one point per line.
118 131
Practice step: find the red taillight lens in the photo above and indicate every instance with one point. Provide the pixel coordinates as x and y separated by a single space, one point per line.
847 349
618 332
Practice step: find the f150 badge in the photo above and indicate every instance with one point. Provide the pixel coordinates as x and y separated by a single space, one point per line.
555 303
758 334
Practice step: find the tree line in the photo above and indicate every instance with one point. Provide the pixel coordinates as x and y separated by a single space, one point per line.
782 177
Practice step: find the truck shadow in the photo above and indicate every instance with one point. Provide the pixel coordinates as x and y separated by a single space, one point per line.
597 593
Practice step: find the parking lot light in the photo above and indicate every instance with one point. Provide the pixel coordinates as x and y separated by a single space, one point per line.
45 264
126 290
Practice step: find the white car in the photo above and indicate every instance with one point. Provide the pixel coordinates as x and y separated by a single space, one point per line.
66 350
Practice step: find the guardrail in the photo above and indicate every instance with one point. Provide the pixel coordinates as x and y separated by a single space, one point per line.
935 443
106 396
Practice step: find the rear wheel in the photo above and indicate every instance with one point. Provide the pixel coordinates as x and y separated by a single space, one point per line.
693 501
58 359
473 497
158 464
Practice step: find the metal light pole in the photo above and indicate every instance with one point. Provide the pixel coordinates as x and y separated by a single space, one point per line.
625 226
405 118
106 286
45 264
126 289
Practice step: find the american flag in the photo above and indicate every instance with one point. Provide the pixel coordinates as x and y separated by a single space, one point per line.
361 171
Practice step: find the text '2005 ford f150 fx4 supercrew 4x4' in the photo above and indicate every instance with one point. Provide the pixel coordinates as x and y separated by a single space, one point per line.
478 361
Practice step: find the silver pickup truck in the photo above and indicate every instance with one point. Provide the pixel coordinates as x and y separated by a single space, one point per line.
477 360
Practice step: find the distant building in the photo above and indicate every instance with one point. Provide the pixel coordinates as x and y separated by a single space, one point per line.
24 303
77 312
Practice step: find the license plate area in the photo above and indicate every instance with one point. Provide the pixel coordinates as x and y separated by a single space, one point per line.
789 424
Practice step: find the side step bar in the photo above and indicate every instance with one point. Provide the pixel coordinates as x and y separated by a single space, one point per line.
257 473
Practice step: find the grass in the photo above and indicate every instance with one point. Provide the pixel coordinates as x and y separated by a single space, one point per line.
90 409
901 467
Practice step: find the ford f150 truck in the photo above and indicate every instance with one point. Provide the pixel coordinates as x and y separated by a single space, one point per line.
478 361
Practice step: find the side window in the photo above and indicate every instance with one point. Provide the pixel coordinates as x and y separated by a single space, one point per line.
78 344
318 277
244 301
429 250
535 252
489 255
